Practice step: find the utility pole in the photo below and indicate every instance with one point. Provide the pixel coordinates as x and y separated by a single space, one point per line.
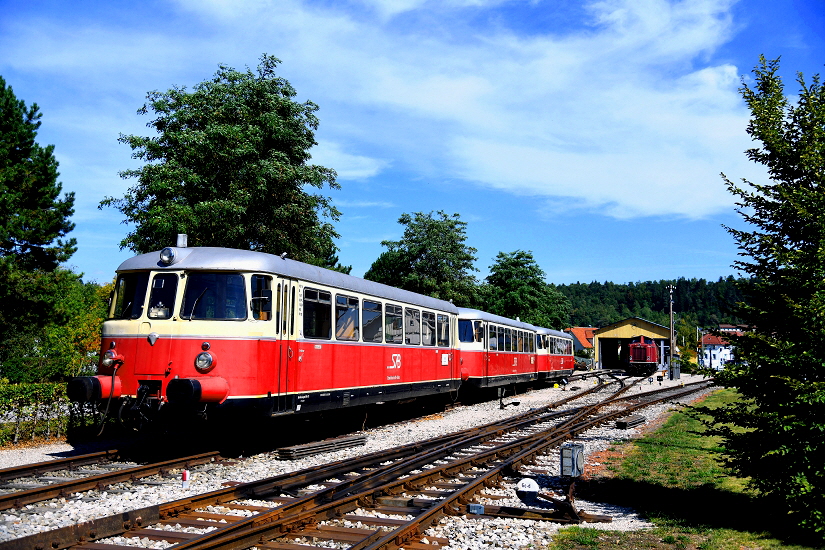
673 369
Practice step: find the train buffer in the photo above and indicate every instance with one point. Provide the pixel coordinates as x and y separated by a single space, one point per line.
630 421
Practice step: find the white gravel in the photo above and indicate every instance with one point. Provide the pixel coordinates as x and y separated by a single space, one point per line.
462 532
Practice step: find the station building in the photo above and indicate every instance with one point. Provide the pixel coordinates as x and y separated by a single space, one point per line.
611 343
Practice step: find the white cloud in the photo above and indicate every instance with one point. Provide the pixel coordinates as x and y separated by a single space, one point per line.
622 107
348 166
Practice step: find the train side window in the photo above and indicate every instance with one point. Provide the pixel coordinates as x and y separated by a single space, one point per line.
492 339
538 341
162 296
508 339
412 327
393 325
130 293
531 338
519 336
261 297
568 348
371 322
465 330
292 313
478 333
428 328
317 314
443 330
346 318
501 339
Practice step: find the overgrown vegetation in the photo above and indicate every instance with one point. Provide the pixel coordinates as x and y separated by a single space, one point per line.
675 477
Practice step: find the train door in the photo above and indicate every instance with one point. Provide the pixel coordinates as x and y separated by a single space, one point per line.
285 313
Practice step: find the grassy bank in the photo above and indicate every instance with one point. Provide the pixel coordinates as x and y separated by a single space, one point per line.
674 477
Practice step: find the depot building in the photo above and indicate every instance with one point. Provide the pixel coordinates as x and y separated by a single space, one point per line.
611 344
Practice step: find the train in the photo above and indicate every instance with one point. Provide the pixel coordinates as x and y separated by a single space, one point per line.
643 358
200 331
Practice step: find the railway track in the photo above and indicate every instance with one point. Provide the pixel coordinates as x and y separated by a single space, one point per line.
29 484
381 500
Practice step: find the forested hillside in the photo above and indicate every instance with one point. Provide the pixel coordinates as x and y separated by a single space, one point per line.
700 302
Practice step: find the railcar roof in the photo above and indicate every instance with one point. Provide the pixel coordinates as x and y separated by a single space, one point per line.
230 259
467 313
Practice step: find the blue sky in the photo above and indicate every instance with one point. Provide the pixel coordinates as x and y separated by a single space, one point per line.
591 134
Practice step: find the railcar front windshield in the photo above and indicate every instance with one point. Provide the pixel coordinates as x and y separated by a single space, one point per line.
129 295
218 296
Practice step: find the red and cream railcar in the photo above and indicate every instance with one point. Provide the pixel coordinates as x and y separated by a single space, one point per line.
497 351
219 329
554 351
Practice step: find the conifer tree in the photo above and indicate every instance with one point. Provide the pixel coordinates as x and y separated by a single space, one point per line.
780 374
33 216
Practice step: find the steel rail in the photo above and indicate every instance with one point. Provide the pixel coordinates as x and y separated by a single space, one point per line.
67 463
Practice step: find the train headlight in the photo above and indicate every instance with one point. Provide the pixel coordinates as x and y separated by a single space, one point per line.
204 361
167 256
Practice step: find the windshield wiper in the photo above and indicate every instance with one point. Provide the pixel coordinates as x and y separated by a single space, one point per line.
192 314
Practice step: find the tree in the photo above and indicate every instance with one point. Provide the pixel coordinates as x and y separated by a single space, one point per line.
431 258
33 217
780 374
230 167
516 288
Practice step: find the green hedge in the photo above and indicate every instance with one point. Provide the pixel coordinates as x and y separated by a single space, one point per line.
37 411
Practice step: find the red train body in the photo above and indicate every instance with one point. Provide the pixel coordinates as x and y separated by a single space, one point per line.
221 330
643 357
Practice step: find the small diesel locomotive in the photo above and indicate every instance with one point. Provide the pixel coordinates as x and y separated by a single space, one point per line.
643 358
217 330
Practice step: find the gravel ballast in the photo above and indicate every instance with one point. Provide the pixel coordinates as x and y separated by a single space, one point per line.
461 531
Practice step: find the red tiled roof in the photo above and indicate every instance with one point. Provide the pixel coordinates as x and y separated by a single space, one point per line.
713 340
584 335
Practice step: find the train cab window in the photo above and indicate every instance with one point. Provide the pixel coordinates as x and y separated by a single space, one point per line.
215 296
371 322
130 293
428 328
346 318
508 339
443 330
162 296
261 303
317 314
412 327
393 325
492 339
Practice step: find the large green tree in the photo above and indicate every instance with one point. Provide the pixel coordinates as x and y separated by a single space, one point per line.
33 216
34 221
780 373
516 287
230 166
431 258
